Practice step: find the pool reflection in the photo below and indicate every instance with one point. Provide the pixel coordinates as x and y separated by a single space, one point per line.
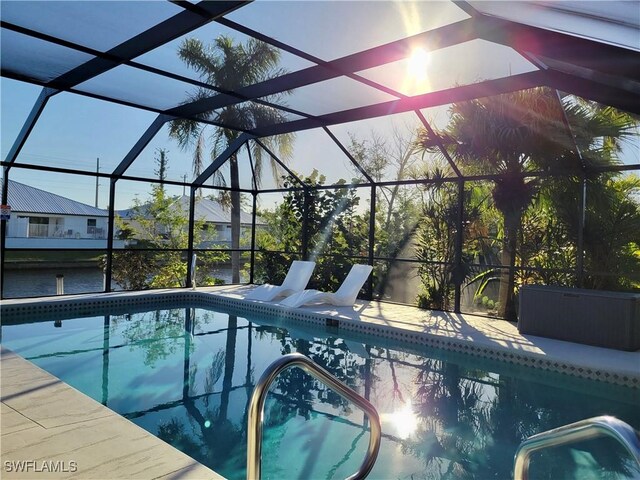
186 376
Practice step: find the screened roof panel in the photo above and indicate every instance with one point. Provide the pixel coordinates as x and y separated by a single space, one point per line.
222 177
17 100
69 134
341 93
270 173
134 85
315 150
100 25
426 71
73 188
249 115
179 161
616 23
628 149
330 30
380 145
166 56
36 59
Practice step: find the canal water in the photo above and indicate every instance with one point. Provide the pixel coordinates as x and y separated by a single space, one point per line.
42 282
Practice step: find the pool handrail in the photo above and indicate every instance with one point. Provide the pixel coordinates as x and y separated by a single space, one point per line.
603 426
256 412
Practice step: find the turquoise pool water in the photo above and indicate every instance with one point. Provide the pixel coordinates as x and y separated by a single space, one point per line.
185 375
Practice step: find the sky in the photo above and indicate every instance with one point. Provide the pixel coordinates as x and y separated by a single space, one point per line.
74 131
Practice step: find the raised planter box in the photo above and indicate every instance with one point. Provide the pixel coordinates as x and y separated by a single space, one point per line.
592 317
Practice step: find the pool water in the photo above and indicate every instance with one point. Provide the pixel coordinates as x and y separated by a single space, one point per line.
186 374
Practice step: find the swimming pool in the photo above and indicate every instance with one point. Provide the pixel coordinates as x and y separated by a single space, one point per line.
185 375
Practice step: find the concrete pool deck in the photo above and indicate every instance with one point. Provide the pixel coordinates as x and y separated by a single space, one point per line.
44 420
47 425
473 334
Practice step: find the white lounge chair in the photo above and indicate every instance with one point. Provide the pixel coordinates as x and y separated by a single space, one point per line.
297 278
344 297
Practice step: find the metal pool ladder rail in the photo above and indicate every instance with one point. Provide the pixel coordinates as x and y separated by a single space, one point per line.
604 426
256 412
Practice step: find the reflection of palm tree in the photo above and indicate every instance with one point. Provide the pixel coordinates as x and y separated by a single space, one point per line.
515 133
452 405
230 66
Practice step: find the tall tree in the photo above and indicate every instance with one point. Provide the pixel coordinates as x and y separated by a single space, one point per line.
397 208
512 134
230 66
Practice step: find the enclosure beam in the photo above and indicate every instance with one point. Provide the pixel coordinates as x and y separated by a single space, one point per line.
254 184
305 225
108 274
618 92
142 142
582 211
349 156
567 125
106 349
220 159
311 58
161 33
254 194
458 276
3 229
110 59
253 237
438 38
192 214
281 163
438 142
372 239
432 99
28 125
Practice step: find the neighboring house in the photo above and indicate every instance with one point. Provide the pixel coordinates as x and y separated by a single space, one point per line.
41 219
212 213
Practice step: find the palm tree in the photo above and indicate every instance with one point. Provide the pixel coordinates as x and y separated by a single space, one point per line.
229 67
515 133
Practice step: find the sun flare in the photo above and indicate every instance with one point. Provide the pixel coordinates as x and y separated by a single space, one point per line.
417 67
405 421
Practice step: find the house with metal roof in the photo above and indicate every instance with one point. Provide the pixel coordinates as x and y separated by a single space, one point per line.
214 215
41 219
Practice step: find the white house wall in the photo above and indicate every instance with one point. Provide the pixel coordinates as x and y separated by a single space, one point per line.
65 231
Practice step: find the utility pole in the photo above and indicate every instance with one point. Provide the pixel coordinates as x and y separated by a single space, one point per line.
97 178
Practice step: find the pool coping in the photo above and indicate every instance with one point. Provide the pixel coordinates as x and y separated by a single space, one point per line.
469 334
51 430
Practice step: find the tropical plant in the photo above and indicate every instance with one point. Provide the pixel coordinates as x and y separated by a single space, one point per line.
156 224
230 66
334 232
611 228
516 133
397 208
